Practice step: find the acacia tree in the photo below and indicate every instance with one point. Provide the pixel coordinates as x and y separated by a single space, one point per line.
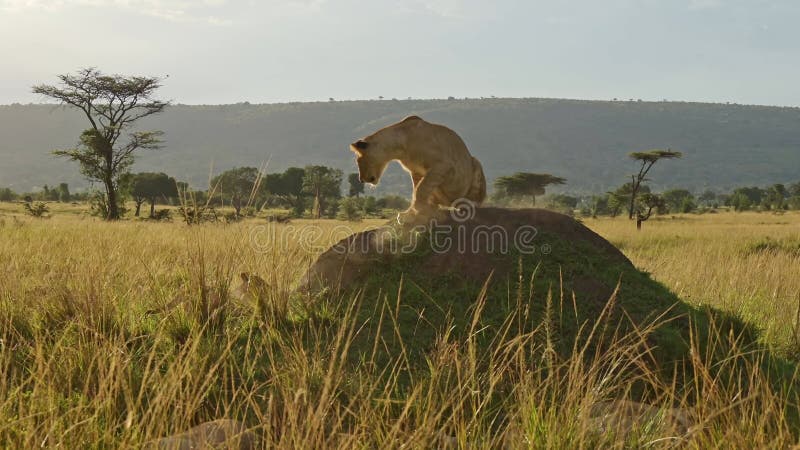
647 160
239 185
523 184
356 186
7 195
794 189
679 200
286 189
775 197
794 195
112 104
147 186
619 198
648 202
708 197
323 183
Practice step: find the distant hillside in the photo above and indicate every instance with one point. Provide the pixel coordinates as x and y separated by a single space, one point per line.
583 141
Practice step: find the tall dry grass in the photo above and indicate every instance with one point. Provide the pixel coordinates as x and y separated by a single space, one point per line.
745 263
86 363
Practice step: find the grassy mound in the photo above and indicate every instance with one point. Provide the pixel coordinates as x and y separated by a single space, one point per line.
562 286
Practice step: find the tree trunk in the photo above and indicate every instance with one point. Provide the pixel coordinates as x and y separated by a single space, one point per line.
152 207
111 198
108 180
138 207
237 205
639 223
319 203
634 190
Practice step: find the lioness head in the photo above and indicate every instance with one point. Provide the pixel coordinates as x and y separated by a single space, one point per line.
372 160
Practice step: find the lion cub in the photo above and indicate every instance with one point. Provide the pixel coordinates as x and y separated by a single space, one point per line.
441 167
252 288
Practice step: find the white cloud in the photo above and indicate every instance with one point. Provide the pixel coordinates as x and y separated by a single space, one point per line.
171 10
306 5
213 12
443 8
704 4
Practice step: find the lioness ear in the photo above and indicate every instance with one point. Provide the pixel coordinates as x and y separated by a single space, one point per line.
360 144
244 276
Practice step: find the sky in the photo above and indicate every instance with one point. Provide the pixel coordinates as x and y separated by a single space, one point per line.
266 51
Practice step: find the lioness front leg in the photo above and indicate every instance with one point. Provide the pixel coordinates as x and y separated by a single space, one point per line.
423 207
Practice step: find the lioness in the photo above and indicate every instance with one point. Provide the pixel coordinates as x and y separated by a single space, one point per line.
440 165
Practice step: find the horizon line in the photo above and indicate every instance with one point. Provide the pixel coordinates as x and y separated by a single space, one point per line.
448 99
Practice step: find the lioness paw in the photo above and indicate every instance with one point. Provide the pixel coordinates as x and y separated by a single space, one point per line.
420 216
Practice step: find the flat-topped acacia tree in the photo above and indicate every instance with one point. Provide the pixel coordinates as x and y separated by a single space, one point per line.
647 159
112 104
525 184
149 186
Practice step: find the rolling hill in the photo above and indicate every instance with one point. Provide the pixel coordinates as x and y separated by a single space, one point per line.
583 141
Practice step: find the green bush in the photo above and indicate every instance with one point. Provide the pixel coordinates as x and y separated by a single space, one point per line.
7 195
161 214
351 209
37 209
393 202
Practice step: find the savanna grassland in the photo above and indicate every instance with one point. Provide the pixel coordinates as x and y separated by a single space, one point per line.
116 334
745 263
